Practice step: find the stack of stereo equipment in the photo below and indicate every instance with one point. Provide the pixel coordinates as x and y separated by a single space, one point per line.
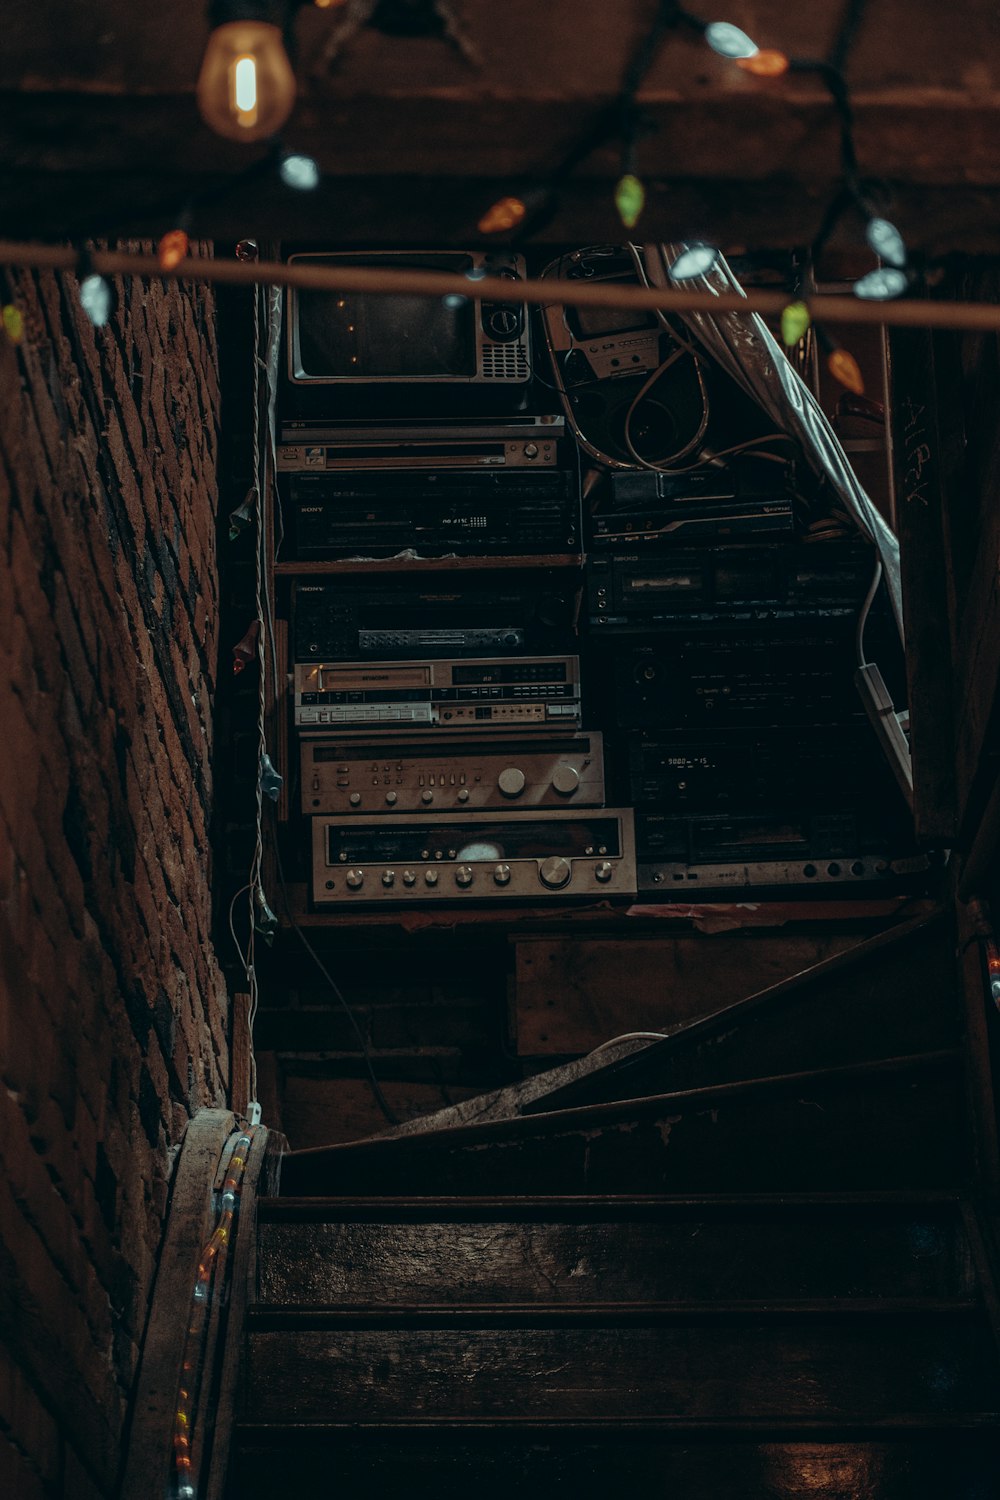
748 759
437 712
441 750
437 699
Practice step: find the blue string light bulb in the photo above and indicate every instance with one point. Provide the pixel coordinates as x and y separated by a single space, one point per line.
696 260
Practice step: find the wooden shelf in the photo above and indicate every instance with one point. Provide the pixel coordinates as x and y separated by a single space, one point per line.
596 916
344 566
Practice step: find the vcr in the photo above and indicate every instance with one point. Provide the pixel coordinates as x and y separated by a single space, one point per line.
435 514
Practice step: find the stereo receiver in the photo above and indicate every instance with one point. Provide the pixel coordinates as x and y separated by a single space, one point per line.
489 856
486 694
435 514
351 621
827 766
426 776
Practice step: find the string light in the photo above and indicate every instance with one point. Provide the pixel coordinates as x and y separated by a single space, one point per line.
13 323
766 62
210 1271
887 242
172 249
881 284
795 321
696 260
846 371
728 40
503 215
96 299
299 172
630 199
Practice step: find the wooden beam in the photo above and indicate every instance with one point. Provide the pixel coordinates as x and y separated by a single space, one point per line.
836 309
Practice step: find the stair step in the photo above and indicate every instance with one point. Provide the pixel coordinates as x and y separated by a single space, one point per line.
896 1123
405 1317
494 1463
826 1367
511 1250
892 995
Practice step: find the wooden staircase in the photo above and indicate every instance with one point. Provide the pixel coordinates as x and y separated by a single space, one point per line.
743 1262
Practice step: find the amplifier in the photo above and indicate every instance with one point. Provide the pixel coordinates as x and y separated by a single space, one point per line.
528 442
783 675
725 585
857 874
759 850
350 621
435 514
486 694
488 856
831 766
426 776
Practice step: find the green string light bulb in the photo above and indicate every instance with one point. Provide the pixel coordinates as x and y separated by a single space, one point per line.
795 320
630 199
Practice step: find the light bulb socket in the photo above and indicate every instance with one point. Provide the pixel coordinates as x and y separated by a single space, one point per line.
271 12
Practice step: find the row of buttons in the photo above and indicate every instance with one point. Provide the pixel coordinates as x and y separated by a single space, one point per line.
554 872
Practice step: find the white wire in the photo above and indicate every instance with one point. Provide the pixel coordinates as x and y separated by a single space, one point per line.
859 634
630 1036
232 930
257 491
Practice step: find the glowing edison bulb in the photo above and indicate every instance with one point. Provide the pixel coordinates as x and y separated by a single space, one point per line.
246 87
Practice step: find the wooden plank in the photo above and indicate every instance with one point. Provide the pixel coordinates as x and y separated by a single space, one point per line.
188 1226
494 1463
896 1124
239 1054
853 1006
750 1369
920 484
682 1256
242 1285
570 995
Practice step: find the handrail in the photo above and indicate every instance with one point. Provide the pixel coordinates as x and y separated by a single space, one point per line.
185 1390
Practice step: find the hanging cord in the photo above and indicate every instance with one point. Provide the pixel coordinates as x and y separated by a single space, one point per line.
336 991
859 634
254 884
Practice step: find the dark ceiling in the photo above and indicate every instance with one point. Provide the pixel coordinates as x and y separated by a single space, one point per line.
99 133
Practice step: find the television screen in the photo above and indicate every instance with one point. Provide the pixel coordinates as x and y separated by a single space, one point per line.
371 336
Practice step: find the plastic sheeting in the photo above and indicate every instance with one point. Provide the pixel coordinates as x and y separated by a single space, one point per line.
743 346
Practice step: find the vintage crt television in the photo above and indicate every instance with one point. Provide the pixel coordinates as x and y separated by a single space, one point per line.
351 354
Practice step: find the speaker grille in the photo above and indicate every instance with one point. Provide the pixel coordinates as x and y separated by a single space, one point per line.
505 362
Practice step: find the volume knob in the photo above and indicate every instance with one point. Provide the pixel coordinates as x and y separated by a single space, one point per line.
355 878
565 780
511 781
555 871
463 875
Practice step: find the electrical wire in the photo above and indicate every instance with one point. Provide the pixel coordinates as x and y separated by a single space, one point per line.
232 928
631 1036
380 1098
859 633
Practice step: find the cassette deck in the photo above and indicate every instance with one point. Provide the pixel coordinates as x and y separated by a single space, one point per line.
486 694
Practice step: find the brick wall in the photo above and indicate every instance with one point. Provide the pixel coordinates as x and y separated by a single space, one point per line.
113 1013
